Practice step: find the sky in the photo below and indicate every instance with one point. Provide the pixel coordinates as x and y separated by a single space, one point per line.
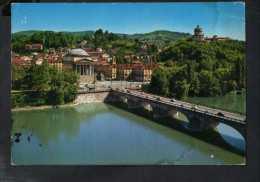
225 19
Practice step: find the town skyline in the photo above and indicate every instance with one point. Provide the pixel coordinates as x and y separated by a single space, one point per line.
215 18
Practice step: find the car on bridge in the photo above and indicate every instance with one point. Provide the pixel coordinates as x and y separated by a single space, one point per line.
173 100
194 107
220 114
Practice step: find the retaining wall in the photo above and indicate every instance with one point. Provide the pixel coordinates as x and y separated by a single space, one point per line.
93 97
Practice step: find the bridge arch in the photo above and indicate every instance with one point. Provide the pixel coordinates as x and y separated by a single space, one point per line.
199 119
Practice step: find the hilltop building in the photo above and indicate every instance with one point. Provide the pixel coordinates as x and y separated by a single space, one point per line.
216 38
199 36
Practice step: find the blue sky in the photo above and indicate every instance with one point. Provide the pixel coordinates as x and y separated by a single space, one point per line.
221 18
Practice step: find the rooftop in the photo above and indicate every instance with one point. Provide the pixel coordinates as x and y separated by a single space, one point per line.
78 52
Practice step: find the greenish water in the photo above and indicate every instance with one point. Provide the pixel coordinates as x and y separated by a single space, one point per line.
230 102
233 102
99 133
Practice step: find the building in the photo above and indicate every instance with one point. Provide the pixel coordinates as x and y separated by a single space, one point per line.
55 61
216 38
198 34
144 72
109 70
79 61
19 62
34 46
124 71
97 54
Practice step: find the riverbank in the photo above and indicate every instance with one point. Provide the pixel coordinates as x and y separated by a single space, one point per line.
32 108
88 97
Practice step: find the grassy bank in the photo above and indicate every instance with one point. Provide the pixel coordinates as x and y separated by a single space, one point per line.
31 108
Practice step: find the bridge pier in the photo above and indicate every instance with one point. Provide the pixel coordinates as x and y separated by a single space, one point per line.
132 103
163 111
201 121
198 119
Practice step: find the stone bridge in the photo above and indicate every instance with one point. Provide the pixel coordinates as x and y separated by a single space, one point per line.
200 117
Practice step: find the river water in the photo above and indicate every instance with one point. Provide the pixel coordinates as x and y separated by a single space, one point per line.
99 133
232 102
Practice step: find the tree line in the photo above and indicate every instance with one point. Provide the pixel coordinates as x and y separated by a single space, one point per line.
48 85
48 39
114 44
200 69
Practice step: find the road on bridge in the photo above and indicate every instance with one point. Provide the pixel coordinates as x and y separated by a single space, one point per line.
199 108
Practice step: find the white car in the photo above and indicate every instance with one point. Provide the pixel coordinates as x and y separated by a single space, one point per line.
194 107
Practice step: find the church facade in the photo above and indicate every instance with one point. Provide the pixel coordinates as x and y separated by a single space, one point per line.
79 61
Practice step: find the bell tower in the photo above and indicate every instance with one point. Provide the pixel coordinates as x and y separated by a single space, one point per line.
198 34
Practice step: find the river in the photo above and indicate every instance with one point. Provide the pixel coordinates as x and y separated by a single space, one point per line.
232 102
101 134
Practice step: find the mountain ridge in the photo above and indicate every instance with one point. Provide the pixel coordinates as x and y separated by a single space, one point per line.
157 36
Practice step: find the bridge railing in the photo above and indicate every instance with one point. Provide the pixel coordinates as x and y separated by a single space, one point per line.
202 112
218 108
184 107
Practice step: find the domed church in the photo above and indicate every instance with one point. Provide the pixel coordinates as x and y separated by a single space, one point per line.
79 61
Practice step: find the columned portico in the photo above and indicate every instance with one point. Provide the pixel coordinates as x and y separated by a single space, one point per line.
84 69
79 61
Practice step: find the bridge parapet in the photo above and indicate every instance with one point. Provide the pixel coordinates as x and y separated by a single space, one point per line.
203 119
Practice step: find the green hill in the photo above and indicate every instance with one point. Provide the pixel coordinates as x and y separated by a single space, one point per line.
81 33
160 36
31 32
27 32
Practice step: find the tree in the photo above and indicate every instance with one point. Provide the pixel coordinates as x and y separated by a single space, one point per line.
41 77
19 42
50 86
55 94
240 71
70 86
18 77
179 89
159 82
194 89
209 84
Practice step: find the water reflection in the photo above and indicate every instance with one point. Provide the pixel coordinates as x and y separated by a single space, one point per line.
231 136
48 124
231 102
102 134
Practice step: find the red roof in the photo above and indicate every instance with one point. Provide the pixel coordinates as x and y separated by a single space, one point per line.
137 62
20 62
95 52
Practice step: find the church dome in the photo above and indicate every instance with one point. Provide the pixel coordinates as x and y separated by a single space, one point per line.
78 52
